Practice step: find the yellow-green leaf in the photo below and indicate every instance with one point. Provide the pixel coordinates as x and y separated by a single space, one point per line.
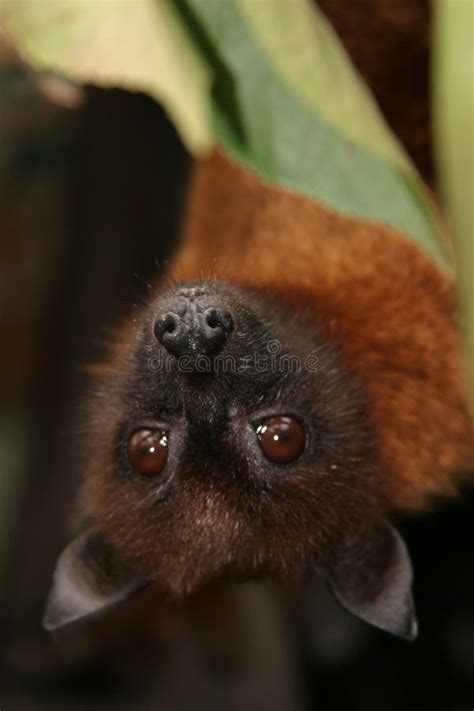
309 57
453 89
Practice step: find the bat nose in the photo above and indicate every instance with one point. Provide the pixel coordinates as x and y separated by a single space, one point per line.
193 330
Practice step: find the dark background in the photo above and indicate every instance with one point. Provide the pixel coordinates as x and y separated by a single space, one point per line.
91 200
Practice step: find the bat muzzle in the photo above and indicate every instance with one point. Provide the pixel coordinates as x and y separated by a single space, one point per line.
192 326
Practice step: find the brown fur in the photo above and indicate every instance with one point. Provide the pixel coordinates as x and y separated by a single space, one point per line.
380 299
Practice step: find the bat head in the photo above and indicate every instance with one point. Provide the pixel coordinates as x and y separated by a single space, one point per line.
229 440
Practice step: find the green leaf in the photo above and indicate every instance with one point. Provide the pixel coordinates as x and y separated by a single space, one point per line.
453 84
138 45
308 56
288 104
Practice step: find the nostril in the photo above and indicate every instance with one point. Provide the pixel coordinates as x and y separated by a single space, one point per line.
193 332
212 321
218 318
166 325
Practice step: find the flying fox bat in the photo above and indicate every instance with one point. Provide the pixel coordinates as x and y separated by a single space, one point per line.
292 382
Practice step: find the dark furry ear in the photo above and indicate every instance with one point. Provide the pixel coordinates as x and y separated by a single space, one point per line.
373 578
89 578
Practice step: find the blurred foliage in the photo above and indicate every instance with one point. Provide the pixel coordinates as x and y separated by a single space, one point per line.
453 89
141 46
285 99
37 153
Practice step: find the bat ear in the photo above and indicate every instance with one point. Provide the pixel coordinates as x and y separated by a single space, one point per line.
89 578
373 580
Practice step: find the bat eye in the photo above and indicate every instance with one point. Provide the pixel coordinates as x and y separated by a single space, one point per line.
148 451
281 439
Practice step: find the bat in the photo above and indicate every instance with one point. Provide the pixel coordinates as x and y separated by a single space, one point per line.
293 383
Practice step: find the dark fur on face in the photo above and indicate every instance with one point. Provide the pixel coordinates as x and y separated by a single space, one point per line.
219 507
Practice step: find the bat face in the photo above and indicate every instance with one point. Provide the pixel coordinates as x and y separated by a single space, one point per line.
228 440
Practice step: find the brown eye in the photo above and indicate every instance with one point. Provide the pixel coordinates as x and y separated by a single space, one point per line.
148 451
282 439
